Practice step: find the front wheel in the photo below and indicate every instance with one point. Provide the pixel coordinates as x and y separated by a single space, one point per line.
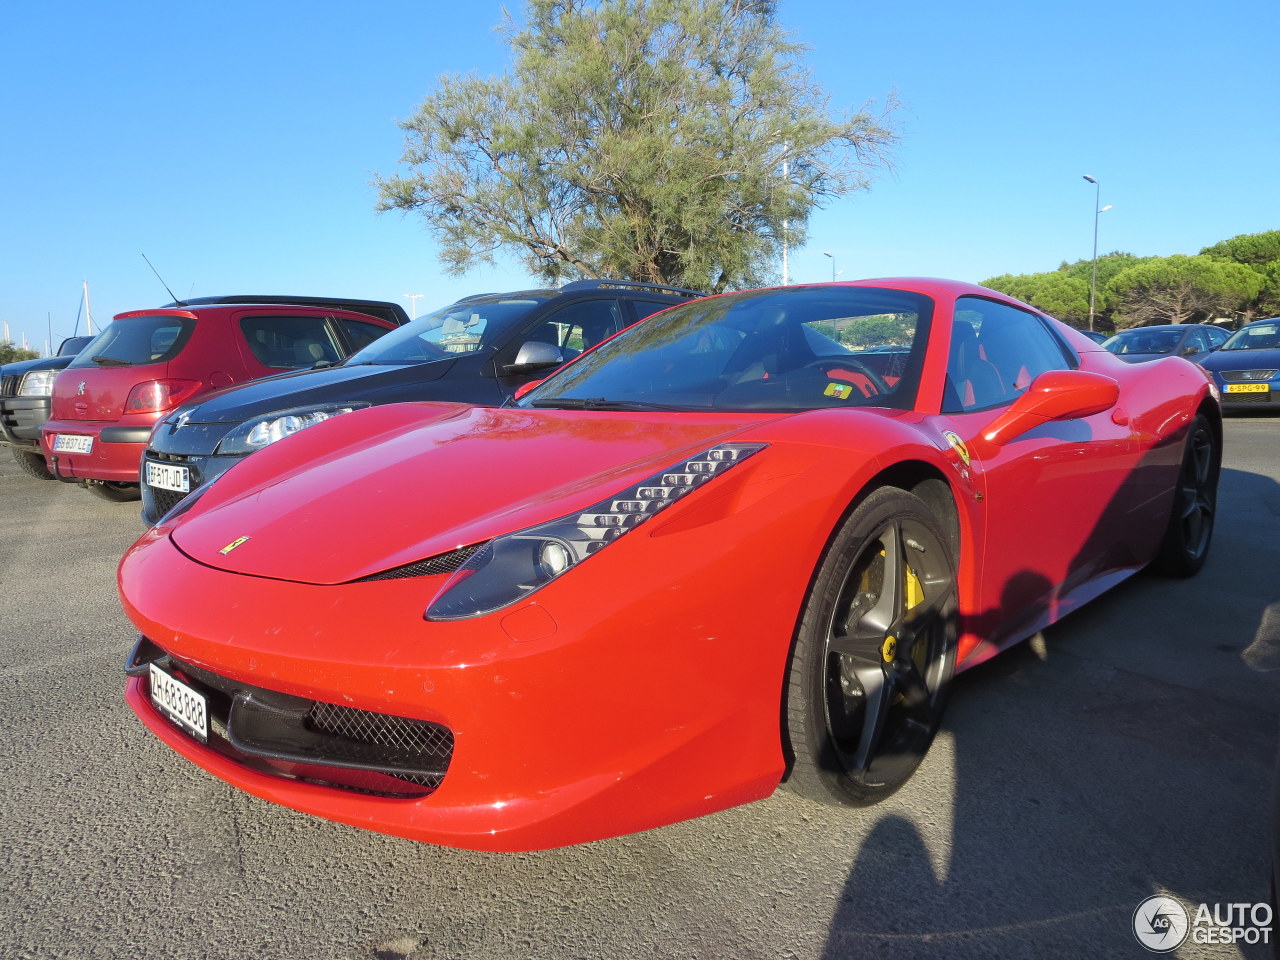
33 464
874 653
113 491
1187 537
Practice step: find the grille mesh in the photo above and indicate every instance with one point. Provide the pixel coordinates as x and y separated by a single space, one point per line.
431 566
415 740
166 500
1247 376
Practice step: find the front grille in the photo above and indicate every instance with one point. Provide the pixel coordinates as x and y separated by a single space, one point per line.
9 386
431 566
1246 397
402 737
166 500
1247 376
338 746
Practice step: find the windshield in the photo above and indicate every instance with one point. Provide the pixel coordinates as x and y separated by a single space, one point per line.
1144 341
467 327
798 348
1256 336
136 340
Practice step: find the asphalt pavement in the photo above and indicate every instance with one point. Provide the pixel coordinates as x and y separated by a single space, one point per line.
1125 753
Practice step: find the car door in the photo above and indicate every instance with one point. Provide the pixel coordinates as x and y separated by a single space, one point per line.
1050 502
571 329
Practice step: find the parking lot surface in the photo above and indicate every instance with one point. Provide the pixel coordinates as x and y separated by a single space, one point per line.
1126 752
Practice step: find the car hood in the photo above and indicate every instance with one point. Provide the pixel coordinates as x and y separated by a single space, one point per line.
399 483
19 367
1242 360
336 384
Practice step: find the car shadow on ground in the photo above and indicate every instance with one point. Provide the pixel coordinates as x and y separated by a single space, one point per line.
1139 764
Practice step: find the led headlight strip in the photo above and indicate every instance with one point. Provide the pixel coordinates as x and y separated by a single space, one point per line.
511 567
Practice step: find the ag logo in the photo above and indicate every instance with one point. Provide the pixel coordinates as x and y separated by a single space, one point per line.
957 445
1160 923
238 541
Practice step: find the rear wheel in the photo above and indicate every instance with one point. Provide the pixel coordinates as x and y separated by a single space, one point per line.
113 491
33 464
1186 539
874 654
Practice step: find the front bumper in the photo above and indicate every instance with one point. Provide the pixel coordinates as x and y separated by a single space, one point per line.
21 419
589 713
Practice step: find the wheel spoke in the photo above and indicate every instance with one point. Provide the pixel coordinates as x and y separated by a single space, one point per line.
879 699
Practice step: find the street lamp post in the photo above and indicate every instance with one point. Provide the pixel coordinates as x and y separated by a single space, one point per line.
834 274
1093 275
413 300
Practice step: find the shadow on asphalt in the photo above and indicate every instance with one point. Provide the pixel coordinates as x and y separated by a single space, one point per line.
1147 719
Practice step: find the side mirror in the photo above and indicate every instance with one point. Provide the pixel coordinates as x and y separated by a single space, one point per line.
1056 395
535 355
1190 350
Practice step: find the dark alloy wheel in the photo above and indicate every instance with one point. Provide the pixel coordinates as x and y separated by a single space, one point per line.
33 464
113 491
1186 540
874 653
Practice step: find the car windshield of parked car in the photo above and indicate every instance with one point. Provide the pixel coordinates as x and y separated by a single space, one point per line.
1144 341
791 349
136 340
1256 336
467 327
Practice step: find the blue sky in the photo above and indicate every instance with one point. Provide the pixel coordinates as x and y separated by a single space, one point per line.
234 143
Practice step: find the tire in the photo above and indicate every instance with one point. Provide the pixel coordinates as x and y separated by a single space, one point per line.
113 491
874 654
1186 540
33 464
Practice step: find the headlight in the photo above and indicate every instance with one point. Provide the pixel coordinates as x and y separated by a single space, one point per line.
511 567
263 431
37 383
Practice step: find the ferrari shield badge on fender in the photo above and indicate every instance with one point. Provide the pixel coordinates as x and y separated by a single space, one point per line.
238 541
957 445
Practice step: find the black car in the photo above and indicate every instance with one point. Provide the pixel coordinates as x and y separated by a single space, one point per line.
26 387
478 350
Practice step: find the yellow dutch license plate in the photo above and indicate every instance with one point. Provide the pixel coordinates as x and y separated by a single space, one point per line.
1248 388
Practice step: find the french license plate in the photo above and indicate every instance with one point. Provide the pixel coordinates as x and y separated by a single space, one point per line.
72 443
177 701
1248 388
168 477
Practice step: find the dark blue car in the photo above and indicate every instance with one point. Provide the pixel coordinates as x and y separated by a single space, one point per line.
1247 367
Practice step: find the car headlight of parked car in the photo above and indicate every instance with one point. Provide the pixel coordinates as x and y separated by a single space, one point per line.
37 383
263 431
511 567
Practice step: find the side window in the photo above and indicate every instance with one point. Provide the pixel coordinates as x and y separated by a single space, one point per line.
359 333
996 351
290 343
578 326
647 308
1217 337
1198 340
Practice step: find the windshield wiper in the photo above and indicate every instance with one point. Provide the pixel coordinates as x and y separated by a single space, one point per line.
106 361
600 403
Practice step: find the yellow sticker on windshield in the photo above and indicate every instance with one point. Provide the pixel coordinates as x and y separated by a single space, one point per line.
841 390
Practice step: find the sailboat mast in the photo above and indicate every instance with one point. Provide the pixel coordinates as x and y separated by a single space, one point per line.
88 312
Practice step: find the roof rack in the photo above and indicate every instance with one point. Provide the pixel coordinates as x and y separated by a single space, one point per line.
384 309
629 285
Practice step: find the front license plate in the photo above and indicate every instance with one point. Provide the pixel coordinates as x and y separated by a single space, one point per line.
1248 388
168 477
177 701
72 443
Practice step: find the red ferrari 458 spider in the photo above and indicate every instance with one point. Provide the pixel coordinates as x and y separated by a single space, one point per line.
746 541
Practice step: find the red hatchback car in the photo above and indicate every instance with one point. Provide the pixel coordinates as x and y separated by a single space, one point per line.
147 362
